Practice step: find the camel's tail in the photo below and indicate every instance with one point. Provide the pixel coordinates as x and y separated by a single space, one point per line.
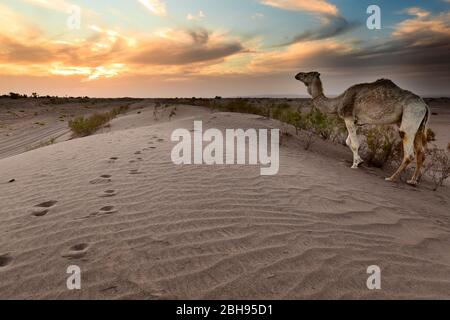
424 126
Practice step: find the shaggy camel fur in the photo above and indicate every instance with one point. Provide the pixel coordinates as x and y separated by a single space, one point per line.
380 102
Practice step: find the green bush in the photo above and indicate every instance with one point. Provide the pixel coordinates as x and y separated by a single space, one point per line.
119 110
438 166
431 135
85 126
383 146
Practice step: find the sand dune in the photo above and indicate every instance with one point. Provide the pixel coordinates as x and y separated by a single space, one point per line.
141 227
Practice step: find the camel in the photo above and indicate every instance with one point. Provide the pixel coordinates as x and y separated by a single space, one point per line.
379 103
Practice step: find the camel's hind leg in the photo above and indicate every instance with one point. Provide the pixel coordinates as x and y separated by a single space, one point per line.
411 122
419 148
353 142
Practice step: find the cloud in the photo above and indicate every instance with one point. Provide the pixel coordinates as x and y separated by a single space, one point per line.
419 44
332 23
12 23
257 15
424 27
332 26
311 6
57 5
415 11
156 7
303 55
107 53
199 16
182 47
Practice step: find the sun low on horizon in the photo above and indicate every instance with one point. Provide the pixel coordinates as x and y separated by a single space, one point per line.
185 48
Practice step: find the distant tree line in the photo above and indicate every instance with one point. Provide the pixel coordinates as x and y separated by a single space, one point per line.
34 95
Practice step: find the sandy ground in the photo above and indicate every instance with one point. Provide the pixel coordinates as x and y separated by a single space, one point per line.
140 226
27 123
440 121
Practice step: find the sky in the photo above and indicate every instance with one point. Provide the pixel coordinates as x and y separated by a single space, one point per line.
229 48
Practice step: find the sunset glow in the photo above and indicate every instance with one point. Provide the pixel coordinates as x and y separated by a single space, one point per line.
172 47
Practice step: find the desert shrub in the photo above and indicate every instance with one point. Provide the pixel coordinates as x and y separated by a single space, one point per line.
42 144
173 113
431 135
437 166
278 111
383 146
14 95
328 127
293 118
119 110
85 126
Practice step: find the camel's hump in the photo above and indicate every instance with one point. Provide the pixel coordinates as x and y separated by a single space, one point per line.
385 82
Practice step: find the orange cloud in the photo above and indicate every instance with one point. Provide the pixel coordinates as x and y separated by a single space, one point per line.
424 28
154 6
311 6
299 55
107 53
57 5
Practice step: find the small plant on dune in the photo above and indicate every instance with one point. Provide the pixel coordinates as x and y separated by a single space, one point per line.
42 144
295 119
310 138
14 95
173 113
437 165
85 126
431 135
301 122
119 110
383 145
155 110
279 111
328 127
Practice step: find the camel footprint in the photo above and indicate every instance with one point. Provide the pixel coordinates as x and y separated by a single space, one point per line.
5 260
103 211
106 178
77 251
107 210
107 193
113 159
43 208
135 171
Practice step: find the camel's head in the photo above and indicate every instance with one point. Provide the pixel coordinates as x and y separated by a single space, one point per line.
307 77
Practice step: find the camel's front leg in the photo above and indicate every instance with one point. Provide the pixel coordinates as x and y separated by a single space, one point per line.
353 142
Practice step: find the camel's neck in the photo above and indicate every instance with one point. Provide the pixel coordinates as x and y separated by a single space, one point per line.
321 102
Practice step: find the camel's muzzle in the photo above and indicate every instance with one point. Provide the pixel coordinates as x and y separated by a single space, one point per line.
299 76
